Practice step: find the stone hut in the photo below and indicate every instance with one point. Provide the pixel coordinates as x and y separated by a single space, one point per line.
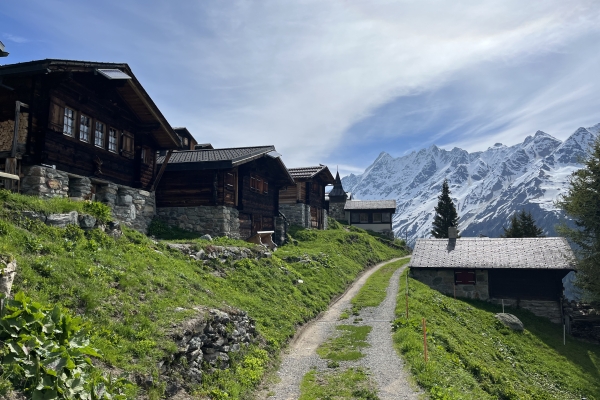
522 272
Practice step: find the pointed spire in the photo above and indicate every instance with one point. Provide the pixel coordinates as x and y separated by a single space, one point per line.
338 190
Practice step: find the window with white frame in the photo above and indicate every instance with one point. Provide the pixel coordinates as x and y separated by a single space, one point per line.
99 134
112 140
85 126
69 122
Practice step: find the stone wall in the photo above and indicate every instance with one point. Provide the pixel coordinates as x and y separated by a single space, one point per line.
336 210
296 214
541 308
281 226
134 208
211 220
442 280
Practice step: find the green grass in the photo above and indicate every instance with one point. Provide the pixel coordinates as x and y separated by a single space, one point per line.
352 383
128 289
346 346
473 356
374 290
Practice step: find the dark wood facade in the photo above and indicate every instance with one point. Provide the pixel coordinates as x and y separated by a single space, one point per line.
250 186
84 123
310 190
526 284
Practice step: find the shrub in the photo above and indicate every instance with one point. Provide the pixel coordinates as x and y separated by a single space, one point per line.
101 211
45 353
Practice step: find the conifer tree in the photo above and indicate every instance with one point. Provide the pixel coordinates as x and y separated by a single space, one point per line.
445 214
582 204
522 225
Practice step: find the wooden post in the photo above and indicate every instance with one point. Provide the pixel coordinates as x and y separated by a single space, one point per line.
454 290
407 295
564 334
425 339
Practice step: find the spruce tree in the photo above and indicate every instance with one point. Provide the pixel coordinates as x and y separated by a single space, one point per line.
522 225
445 214
582 204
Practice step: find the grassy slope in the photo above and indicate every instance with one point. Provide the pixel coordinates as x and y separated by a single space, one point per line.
473 356
128 289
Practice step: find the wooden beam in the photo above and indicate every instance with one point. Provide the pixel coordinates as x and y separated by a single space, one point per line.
161 171
18 105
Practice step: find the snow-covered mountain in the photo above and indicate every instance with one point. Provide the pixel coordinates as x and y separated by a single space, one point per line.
487 186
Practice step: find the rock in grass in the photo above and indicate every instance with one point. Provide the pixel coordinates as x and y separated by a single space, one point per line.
510 321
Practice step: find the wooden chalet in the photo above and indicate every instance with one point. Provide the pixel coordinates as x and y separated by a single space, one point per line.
80 129
524 272
187 141
304 203
373 215
222 192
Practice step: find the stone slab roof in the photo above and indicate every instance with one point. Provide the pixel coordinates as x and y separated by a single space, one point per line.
237 155
486 253
311 172
370 204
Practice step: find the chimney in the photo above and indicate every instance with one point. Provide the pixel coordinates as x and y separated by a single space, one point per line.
452 232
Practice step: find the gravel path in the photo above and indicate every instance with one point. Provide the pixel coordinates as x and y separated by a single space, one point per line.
381 359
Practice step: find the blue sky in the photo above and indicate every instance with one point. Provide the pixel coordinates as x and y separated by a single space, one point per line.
337 81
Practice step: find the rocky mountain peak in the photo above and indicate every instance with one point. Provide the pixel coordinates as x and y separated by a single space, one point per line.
488 186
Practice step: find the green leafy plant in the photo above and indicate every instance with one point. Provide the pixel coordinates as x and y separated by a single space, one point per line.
46 354
100 211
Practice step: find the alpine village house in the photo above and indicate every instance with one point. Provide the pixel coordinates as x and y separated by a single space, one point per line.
84 130
303 204
223 192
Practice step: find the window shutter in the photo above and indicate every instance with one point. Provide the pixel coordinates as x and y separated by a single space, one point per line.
55 117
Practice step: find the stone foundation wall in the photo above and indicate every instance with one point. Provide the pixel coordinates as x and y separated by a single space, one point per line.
281 226
297 214
212 220
442 280
336 210
541 308
325 219
132 207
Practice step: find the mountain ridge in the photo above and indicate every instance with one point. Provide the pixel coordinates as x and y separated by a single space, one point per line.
487 186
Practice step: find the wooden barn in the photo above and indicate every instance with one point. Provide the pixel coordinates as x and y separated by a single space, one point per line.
82 130
304 203
522 272
222 192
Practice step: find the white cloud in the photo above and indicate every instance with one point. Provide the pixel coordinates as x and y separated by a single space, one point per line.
299 73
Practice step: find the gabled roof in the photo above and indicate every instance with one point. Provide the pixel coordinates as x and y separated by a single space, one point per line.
231 156
311 172
223 159
485 253
125 84
370 205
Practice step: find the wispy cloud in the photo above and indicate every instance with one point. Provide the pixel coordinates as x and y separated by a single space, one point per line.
14 38
313 76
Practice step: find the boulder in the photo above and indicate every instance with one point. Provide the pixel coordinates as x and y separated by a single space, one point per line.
62 220
87 221
33 215
206 237
8 270
510 321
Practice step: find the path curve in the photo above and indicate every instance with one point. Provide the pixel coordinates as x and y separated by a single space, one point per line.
301 355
